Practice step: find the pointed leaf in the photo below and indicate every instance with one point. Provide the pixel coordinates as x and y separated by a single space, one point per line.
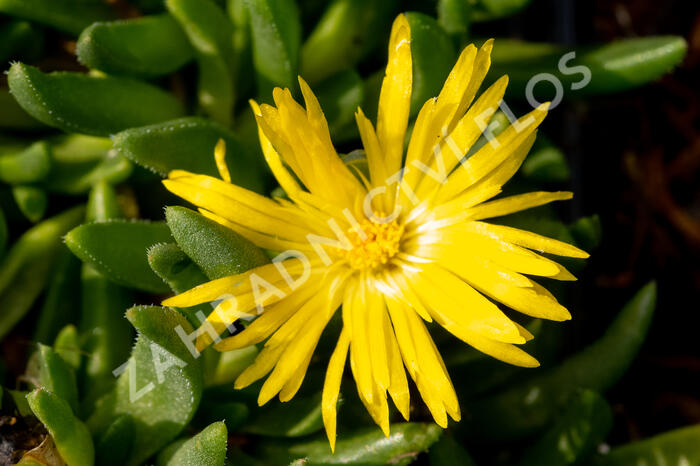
207 448
217 250
79 103
70 435
188 144
146 46
118 250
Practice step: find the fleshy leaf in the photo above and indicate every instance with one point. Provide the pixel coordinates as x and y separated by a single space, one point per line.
118 250
207 448
188 144
147 46
80 103
217 250
71 436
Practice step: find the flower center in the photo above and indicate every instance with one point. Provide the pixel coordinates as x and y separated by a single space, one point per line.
373 243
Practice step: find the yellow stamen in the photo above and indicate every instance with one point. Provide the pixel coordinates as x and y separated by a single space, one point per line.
373 243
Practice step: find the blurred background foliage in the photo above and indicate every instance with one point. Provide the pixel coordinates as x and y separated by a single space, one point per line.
101 99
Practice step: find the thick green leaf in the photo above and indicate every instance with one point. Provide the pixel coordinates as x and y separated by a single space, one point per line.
455 18
13 117
488 10
217 250
102 203
30 165
207 448
546 163
62 300
31 201
67 346
447 452
175 267
70 435
80 103
160 387
583 425
527 407
341 38
612 67
210 32
276 38
295 418
587 232
678 447
339 96
366 447
64 15
118 250
78 162
147 46
114 445
433 57
188 144
57 376
25 270
230 365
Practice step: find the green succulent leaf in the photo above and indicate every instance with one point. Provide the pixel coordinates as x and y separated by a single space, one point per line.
64 15
612 67
175 267
27 166
118 250
13 117
339 96
433 57
276 38
71 437
115 443
67 345
677 447
188 144
57 376
207 448
78 162
25 269
582 426
455 17
210 33
80 103
527 407
31 201
340 39
62 299
148 46
367 446
488 10
546 163
160 387
217 250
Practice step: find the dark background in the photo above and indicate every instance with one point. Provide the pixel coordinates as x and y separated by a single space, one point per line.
635 159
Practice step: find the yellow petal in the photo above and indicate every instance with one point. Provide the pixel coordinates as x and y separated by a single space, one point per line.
398 388
220 159
529 240
512 204
331 386
492 154
264 362
395 99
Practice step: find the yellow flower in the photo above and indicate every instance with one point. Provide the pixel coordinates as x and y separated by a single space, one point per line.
404 245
